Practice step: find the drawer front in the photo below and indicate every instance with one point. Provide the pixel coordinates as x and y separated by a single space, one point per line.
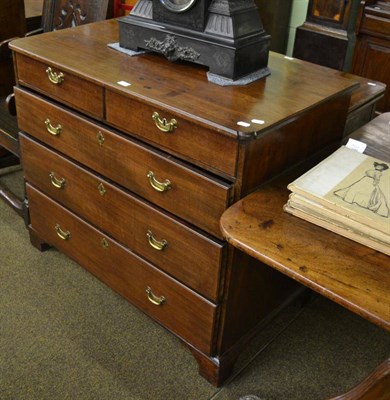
180 251
73 91
375 24
193 196
183 311
195 143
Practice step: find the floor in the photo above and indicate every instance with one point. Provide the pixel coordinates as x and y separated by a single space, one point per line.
65 335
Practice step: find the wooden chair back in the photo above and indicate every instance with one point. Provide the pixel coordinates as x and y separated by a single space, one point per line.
60 14
12 19
12 24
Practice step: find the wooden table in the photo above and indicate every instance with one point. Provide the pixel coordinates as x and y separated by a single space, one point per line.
344 271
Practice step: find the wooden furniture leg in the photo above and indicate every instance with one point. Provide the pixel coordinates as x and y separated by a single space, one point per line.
217 369
36 241
11 199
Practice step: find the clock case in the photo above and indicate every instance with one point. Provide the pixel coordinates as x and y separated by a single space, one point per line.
225 35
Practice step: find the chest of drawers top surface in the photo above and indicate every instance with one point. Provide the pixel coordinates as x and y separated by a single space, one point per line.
180 88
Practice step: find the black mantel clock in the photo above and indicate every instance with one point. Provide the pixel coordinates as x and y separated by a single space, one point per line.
225 35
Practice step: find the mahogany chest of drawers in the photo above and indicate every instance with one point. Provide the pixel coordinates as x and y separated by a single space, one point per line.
130 162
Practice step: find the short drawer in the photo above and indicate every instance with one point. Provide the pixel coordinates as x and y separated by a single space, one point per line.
70 89
184 191
172 304
194 142
184 253
376 24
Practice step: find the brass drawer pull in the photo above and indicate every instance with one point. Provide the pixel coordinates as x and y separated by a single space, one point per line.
158 301
159 186
53 130
55 78
163 124
58 183
64 235
158 245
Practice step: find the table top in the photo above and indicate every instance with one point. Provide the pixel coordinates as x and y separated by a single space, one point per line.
184 89
346 272
33 8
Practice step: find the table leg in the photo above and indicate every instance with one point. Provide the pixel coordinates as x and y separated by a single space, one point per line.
375 386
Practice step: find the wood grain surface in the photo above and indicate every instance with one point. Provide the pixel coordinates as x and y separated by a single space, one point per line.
348 273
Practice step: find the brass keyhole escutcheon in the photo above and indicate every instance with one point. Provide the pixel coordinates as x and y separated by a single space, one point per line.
104 243
102 189
100 138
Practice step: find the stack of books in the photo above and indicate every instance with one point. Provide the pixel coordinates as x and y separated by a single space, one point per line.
347 193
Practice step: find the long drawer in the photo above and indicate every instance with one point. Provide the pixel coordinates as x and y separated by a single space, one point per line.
376 21
65 87
173 132
184 191
184 253
176 307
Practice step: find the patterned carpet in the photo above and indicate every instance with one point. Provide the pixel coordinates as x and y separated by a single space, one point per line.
65 335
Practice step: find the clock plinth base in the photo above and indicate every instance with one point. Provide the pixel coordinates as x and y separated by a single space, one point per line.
131 53
227 55
245 80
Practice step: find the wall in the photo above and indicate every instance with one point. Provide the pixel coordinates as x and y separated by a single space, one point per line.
298 17
275 16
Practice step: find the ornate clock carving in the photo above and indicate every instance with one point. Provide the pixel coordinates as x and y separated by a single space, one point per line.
170 49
